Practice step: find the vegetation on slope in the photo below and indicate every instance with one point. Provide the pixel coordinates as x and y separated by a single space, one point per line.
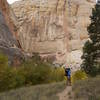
79 75
88 89
32 72
39 92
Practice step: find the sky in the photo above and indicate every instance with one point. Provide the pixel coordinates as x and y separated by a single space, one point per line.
11 1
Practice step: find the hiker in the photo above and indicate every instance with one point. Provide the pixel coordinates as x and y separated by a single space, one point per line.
68 75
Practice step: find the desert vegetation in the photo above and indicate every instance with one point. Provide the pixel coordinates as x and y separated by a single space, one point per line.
31 72
79 75
87 89
39 92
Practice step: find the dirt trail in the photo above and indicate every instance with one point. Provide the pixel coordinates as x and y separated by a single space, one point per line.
66 94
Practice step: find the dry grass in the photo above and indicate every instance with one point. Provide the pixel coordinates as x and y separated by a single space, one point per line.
39 92
87 89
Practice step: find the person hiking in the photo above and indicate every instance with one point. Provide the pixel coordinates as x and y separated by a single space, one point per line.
68 75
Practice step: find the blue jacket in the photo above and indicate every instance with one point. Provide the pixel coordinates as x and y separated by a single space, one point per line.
68 72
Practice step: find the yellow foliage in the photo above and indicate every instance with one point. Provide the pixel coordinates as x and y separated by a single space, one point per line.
57 74
79 75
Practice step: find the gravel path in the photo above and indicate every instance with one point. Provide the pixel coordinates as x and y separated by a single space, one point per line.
66 94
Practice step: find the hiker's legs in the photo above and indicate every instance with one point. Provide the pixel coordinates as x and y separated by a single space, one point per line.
68 80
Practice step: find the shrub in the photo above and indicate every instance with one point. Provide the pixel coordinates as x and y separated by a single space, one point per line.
35 74
41 73
10 78
31 72
6 79
79 75
57 74
18 78
3 60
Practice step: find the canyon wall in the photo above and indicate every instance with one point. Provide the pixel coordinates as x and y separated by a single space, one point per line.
54 28
79 12
43 27
8 41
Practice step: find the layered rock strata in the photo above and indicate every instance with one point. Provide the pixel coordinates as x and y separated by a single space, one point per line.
54 28
8 40
79 12
43 27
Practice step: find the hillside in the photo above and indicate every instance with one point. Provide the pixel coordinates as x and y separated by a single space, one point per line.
88 89
82 90
39 92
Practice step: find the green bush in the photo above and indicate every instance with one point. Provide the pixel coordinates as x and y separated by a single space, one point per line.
5 79
10 78
3 60
31 72
79 75
35 74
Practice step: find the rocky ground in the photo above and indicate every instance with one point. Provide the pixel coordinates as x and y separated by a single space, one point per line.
67 94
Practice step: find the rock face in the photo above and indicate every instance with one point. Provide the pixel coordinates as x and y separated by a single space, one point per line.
54 27
78 20
8 41
43 27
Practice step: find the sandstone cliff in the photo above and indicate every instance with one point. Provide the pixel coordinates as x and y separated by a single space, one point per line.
54 27
43 27
78 20
8 40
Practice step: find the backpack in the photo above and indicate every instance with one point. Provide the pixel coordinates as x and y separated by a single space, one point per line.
67 72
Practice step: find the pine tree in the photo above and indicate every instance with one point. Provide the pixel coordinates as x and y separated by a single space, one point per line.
91 49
